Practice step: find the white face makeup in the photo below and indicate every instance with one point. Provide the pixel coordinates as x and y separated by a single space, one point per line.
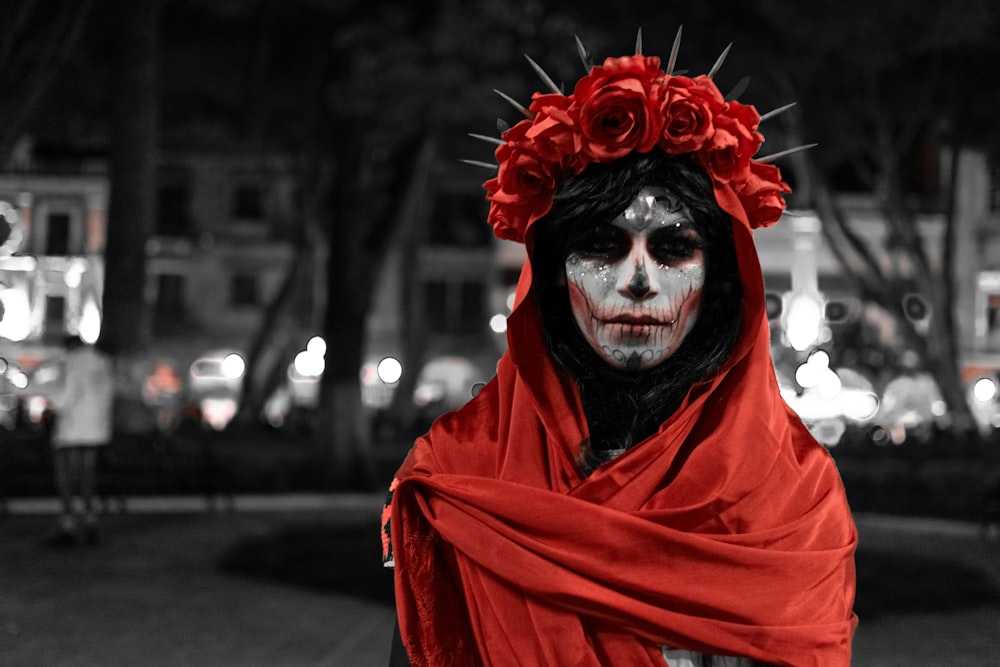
635 284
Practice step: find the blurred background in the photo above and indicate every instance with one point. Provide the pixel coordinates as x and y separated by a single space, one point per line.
259 209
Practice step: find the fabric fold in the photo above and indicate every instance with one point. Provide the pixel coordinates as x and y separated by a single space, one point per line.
726 532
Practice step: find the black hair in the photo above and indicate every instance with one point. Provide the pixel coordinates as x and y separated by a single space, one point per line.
624 407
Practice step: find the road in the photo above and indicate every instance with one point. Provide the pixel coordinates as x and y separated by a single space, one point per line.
294 580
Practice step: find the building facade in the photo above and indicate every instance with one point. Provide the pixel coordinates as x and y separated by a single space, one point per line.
222 247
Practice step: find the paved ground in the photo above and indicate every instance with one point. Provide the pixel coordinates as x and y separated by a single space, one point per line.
154 592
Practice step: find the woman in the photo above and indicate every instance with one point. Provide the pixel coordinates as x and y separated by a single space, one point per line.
84 421
630 489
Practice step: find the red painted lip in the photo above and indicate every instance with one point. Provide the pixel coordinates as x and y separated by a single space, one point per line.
636 320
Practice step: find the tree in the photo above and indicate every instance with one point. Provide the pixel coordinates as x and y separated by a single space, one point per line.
357 94
134 160
53 74
36 39
876 84
399 83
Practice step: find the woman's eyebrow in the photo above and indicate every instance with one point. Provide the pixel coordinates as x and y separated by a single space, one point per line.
683 226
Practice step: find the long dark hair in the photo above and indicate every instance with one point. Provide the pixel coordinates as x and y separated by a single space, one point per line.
623 407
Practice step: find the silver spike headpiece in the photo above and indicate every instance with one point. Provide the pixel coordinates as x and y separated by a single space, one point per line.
629 104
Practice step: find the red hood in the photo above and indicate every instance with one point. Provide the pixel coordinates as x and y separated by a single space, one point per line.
726 532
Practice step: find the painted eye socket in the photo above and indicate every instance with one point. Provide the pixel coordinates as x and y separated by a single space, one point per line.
607 243
669 246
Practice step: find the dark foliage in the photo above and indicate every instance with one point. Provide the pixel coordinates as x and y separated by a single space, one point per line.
894 583
321 556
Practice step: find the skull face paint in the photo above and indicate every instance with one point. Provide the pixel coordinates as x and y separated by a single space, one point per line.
635 284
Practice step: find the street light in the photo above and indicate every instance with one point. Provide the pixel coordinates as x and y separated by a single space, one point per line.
389 370
803 321
984 390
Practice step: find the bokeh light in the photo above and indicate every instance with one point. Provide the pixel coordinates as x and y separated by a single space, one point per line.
90 322
498 323
804 321
16 322
233 366
309 364
984 390
316 346
389 370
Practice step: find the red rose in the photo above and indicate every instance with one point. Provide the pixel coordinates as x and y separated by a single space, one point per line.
637 64
554 131
509 222
761 195
513 139
688 108
735 140
523 188
617 107
524 177
744 114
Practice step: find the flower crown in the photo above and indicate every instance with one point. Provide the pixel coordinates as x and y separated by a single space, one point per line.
628 104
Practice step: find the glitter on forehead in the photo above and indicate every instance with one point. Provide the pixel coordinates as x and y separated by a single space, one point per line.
651 209
641 209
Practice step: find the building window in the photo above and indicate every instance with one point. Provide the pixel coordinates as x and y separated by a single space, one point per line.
987 309
244 291
436 302
472 306
993 322
248 202
57 234
173 216
455 307
994 193
170 310
459 220
55 318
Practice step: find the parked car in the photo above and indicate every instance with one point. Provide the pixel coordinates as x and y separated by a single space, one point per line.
215 385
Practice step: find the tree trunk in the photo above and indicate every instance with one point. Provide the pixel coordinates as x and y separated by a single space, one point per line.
343 432
366 207
934 340
343 429
955 394
134 145
275 337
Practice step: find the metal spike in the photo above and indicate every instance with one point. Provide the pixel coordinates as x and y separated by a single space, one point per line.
489 140
738 89
780 154
545 77
477 163
517 105
638 43
585 55
718 63
774 112
673 51
502 125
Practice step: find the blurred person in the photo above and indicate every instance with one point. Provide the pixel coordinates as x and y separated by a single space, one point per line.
630 488
162 393
83 424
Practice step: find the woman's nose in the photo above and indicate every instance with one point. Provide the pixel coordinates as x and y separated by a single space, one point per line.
637 284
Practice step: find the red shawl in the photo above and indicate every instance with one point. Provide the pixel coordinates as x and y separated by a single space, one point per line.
726 532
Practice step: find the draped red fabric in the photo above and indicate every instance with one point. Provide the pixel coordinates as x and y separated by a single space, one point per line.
726 532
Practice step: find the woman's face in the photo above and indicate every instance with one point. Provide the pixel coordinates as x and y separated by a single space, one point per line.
635 284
